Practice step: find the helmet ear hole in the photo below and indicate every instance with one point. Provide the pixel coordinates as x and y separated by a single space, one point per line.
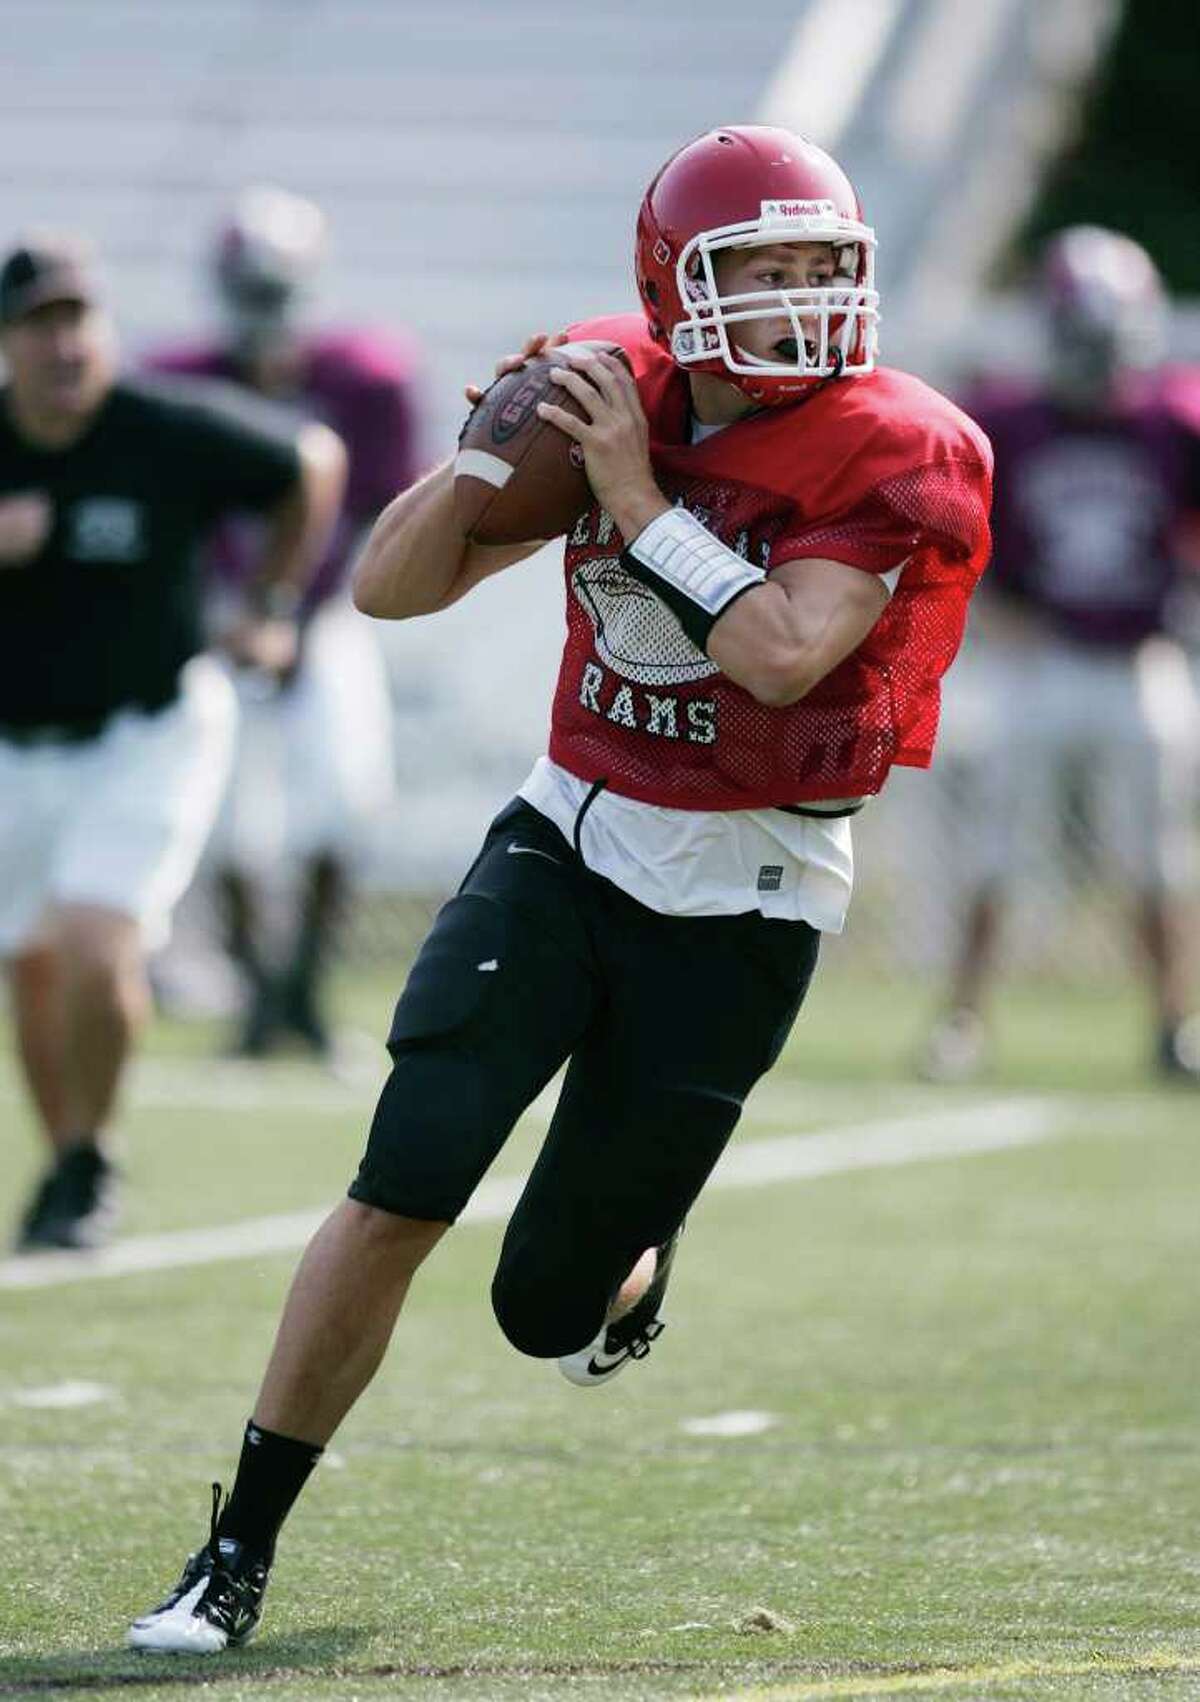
651 291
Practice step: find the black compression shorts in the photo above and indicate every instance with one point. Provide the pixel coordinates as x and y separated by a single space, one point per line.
666 1021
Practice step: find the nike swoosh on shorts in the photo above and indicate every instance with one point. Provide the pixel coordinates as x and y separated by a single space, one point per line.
515 850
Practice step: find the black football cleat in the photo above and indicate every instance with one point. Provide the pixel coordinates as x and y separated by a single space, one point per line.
35 1212
75 1205
955 1049
260 1028
1178 1053
627 1338
216 1604
302 1018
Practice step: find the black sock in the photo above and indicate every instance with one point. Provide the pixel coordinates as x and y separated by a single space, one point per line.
271 1473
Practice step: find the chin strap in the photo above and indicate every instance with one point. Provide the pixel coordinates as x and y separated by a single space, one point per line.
693 572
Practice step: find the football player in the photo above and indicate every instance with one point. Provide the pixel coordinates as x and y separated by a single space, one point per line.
328 730
1097 470
802 530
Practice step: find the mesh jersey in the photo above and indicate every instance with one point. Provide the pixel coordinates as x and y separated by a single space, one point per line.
871 471
363 384
1090 507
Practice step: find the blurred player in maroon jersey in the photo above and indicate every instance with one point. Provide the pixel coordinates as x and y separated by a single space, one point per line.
760 605
327 732
1097 475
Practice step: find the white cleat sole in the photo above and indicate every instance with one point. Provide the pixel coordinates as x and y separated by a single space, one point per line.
176 1636
178 1631
593 1368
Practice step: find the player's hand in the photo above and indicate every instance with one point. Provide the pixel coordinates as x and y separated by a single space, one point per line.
533 346
269 644
25 521
614 438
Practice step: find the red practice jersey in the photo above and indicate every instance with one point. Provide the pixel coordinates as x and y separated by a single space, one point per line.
870 471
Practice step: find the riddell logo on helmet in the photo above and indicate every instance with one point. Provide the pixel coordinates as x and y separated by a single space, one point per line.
775 212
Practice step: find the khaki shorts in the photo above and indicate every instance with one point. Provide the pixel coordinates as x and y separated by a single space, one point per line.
117 821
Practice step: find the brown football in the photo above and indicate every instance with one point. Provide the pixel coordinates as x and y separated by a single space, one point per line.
518 478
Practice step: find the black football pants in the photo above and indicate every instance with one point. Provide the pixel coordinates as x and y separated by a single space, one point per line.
667 1022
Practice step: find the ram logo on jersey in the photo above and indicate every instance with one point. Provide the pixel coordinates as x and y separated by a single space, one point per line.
636 635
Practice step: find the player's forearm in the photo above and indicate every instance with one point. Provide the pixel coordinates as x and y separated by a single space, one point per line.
781 639
412 553
774 637
417 558
300 527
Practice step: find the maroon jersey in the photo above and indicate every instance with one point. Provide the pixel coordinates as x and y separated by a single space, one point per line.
870 471
1090 507
362 385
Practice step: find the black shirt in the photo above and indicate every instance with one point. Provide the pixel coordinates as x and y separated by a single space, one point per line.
107 613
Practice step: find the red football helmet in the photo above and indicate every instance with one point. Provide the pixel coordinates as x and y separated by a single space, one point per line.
751 186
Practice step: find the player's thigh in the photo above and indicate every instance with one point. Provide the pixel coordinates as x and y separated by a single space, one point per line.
150 792
650 1100
1010 801
1144 795
499 996
36 788
1164 789
248 832
339 765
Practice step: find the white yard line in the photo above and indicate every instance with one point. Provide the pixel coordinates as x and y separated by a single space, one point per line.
954 1133
60 1397
228 1084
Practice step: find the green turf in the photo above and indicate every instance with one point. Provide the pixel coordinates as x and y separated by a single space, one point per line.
981 1375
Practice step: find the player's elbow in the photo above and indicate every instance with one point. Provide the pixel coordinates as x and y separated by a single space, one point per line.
369 577
323 461
370 586
362 591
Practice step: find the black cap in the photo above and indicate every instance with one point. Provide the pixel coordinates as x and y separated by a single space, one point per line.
42 271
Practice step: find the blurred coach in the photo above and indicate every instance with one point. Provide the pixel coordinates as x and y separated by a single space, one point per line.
115 735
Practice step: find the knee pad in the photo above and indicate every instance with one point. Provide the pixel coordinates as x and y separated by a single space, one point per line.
542 1309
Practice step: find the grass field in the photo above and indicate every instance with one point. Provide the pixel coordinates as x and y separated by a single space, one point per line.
962 1462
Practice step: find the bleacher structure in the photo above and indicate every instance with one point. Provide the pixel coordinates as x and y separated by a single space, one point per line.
481 164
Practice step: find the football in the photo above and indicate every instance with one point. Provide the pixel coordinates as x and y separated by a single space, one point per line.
518 478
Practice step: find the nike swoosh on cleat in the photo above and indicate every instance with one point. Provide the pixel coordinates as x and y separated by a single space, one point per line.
515 850
595 1369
